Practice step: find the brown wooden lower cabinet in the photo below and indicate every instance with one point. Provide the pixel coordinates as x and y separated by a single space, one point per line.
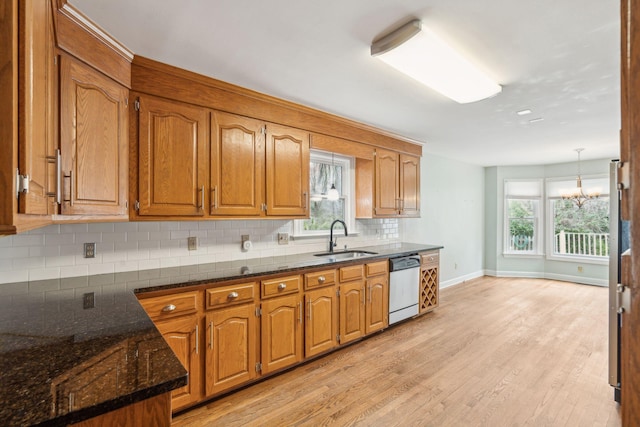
321 321
352 311
183 336
229 334
377 303
232 347
281 334
155 411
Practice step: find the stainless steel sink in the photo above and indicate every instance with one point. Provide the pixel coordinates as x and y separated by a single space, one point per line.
345 254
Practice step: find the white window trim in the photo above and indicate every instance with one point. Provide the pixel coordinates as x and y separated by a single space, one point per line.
538 229
348 182
550 237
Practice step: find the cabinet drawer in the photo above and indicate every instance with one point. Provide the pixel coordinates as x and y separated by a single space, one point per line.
376 268
168 306
352 272
319 279
429 258
230 295
281 286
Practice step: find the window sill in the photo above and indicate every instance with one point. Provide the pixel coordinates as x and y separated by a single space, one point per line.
579 259
339 233
522 255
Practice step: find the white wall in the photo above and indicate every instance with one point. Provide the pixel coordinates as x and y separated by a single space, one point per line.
452 215
56 251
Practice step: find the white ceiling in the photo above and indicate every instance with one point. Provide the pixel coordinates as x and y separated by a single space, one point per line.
558 58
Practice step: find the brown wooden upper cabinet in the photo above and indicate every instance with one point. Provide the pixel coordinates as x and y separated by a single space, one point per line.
397 184
237 165
172 157
287 171
254 169
67 104
93 141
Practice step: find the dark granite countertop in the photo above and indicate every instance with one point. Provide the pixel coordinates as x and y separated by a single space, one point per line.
63 363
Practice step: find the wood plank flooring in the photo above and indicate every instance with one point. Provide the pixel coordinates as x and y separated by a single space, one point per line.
497 352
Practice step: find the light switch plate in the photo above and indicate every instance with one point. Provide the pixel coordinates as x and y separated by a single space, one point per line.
192 243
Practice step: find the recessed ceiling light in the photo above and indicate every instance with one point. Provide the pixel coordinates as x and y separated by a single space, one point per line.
523 112
539 119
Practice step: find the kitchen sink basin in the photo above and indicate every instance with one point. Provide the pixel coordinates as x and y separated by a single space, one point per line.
345 254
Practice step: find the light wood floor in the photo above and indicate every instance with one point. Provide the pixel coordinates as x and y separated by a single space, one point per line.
497 352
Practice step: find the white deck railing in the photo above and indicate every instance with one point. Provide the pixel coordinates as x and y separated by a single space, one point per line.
591 244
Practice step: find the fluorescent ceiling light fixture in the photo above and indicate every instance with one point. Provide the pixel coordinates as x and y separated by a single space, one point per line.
420 54
523 112
536 120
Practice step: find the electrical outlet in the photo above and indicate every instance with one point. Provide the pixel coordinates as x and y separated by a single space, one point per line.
88 300
89 250
283 238
192 243
580 269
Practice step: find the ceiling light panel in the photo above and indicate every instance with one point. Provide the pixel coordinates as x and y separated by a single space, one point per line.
423 56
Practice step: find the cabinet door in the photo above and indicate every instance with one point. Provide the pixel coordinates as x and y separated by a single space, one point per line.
321 321
237 165
231 353
352 311
287 171
387 185
38 113
410 185
93 141
183 336
377 313
173 157
281 332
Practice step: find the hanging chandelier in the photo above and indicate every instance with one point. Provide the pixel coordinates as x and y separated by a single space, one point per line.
577 194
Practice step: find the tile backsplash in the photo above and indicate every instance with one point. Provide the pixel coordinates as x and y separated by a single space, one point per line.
56 251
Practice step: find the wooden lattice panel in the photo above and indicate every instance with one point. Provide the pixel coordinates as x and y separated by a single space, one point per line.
429 285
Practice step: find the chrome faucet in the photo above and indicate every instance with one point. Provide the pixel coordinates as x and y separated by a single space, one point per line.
334 243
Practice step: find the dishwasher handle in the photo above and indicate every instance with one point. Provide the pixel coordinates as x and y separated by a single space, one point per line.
403 263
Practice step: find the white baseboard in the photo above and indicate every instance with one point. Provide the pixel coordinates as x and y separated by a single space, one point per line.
551 276
460 279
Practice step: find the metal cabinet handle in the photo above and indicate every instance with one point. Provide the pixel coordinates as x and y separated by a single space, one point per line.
168 308
282 286
57 161
201 191
197 339
211 335
233 295
304 200
369 294
300 312
70 176
321 279
214 196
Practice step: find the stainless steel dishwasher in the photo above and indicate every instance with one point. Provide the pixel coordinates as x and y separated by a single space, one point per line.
404 284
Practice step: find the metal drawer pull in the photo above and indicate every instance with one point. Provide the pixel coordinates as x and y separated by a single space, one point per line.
233 295
321 279
168 308
282 286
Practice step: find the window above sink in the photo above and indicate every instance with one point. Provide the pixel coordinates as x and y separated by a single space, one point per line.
324 171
